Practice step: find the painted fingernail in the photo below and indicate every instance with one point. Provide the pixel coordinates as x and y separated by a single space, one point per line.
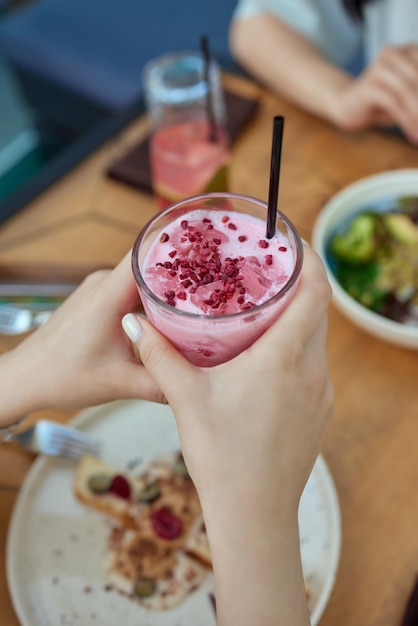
132 327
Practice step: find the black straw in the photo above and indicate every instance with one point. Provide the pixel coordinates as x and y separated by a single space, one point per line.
276 155
204 46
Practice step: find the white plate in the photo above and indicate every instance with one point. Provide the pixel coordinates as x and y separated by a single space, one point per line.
55 545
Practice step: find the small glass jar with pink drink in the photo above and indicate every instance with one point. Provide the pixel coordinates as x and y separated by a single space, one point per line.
208 277
189 147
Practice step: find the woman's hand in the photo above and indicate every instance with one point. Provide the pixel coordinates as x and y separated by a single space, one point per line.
251 430
81 356
385 94
274 397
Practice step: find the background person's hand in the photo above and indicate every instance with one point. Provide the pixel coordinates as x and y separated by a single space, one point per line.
81 356
385 94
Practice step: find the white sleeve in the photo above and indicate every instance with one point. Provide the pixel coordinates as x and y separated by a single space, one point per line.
302 15
323 22
393 22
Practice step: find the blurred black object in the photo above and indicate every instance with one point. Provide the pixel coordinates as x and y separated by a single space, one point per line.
45 130
410 617
76 70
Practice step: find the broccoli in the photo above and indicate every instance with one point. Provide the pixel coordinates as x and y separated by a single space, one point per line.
358 243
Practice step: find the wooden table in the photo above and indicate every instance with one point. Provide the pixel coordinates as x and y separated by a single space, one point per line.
372 448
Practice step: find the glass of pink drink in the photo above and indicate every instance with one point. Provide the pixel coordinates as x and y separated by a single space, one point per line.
208 278
189 149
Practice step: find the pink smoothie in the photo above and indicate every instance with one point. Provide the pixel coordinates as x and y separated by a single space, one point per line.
186 163
217 263
208 278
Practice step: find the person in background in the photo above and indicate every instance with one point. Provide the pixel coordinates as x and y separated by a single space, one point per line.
250 429
306 50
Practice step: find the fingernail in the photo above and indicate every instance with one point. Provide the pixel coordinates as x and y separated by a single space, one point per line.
132 327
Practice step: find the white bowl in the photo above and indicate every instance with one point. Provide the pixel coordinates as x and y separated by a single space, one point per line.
347 202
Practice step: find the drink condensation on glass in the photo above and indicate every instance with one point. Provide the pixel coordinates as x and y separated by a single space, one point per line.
208 278
189 149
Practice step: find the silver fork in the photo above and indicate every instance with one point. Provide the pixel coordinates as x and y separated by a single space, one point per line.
14 320
52 439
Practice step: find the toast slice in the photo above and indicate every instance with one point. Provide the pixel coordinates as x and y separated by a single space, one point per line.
122 509
134 561
157 553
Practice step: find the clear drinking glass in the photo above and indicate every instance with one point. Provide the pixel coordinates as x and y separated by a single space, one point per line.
208 335
189 151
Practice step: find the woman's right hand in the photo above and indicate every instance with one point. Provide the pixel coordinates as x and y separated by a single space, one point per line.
261 414
250 431
385 94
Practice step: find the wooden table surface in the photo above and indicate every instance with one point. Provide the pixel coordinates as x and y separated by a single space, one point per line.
372 447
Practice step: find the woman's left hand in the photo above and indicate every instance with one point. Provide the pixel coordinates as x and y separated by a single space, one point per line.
81 356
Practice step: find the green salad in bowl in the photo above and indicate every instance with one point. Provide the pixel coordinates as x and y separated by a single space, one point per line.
374 257
367 237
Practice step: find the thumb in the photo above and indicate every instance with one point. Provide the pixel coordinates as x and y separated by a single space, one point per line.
158 355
